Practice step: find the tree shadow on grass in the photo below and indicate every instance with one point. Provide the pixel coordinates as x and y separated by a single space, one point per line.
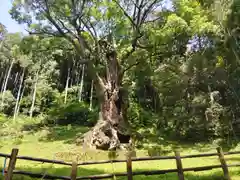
32 127
201 146
67 134
85 171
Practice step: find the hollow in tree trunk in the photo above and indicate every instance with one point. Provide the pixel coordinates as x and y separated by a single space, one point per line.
112 128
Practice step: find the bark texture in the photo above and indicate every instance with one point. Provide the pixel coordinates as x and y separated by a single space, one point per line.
112 128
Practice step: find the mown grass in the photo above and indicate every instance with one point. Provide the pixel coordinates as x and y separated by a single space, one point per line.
58 143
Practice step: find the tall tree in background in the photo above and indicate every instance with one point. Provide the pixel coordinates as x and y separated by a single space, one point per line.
105 34
9 51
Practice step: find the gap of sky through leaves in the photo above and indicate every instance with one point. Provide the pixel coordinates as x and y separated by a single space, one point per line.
5 18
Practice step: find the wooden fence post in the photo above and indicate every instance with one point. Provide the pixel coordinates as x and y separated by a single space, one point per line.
11 165
223 163
74 171
179 165
129 166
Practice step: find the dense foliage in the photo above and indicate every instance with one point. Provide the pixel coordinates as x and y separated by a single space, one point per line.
182 77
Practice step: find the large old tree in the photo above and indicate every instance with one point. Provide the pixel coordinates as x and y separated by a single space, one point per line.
105 34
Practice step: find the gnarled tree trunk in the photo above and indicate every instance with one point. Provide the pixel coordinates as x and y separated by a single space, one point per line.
112 128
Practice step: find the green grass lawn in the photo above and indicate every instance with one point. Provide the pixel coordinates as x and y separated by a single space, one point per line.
58 143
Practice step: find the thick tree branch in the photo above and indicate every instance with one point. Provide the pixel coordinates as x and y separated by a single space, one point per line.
153 20
42 32
77 13
65 35
134 45
81 40
101 81
144 47
49 17
135 9
121 74
74 8
130 66
67 29
92 32
125 13
141 6
141 17
146 12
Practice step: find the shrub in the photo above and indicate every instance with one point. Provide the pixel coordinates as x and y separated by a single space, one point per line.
8 104
74 113
139 117
3 119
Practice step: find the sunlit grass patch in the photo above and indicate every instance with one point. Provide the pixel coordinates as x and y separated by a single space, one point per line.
58 143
